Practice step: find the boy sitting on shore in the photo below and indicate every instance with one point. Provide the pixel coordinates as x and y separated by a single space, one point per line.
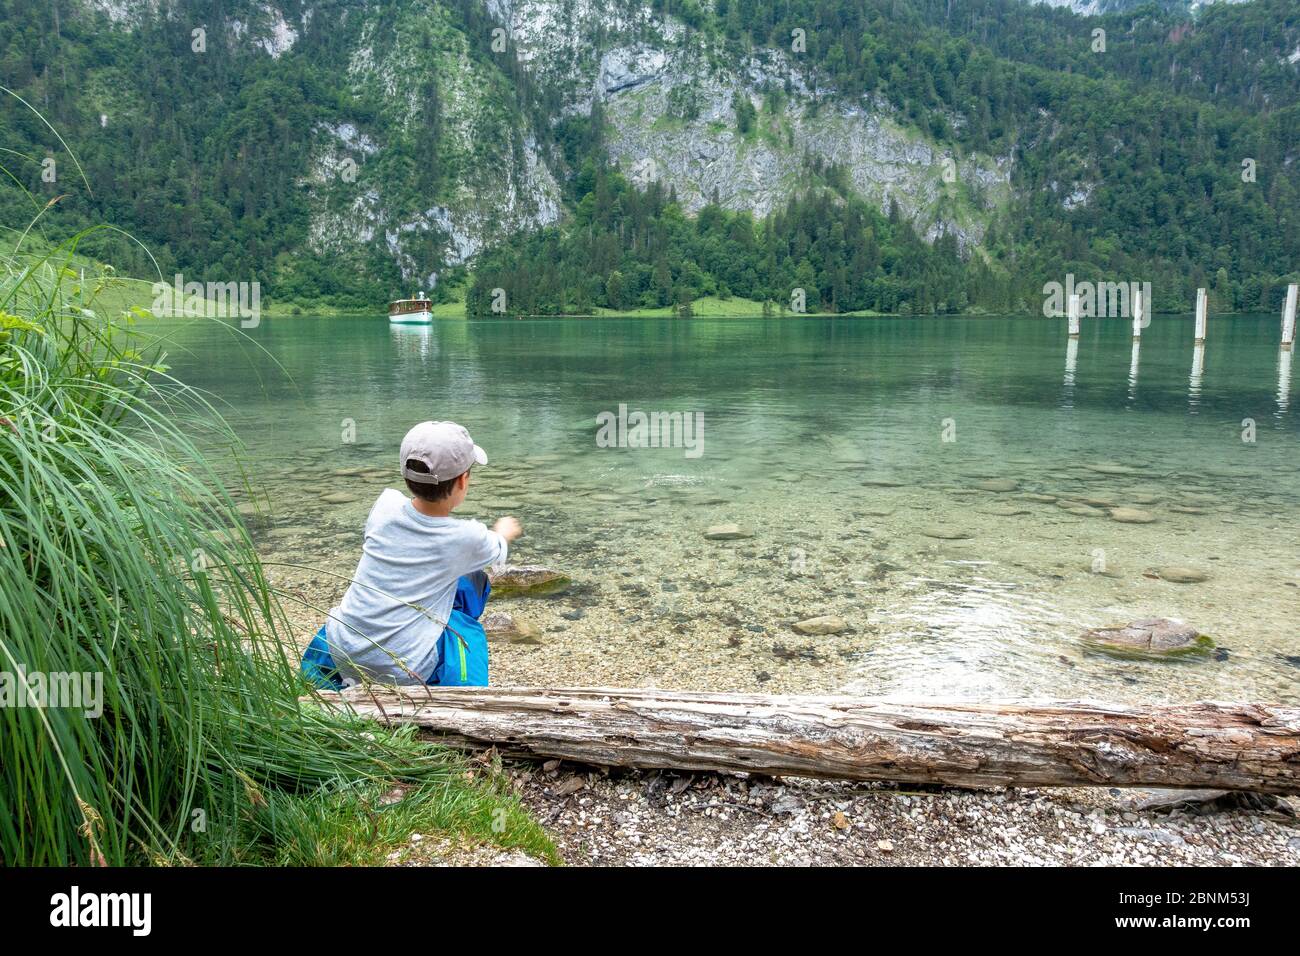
410 615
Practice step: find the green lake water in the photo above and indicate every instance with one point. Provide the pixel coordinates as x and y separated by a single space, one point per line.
858 453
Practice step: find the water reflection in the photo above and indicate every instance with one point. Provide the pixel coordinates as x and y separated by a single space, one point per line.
1071 362
1283 382
416 340
1194 382
1134 355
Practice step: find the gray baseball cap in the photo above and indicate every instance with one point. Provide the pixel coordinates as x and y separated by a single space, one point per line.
445 448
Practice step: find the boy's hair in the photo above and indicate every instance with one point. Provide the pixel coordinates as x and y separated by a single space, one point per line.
428 492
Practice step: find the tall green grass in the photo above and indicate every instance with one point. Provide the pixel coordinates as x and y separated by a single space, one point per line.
122 555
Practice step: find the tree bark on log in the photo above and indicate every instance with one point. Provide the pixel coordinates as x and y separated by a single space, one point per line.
1023 743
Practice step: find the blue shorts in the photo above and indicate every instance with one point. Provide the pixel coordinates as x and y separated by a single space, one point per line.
462 646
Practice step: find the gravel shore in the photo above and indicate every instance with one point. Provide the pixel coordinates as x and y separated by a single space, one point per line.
652 819
636 818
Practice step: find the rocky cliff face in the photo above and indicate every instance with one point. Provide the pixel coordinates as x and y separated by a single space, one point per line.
496 180
668 97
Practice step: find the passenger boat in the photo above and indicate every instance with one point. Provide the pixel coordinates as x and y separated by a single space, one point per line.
417 311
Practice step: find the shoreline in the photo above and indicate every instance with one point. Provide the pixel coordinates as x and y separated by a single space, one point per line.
664 314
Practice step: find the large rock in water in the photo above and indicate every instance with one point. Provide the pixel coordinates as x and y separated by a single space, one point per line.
527 580
1155 638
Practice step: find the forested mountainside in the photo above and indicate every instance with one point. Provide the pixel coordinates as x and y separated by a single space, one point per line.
899 155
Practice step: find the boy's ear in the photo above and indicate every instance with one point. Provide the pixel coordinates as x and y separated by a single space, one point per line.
464 480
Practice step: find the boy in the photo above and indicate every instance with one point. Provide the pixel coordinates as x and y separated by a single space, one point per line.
410 615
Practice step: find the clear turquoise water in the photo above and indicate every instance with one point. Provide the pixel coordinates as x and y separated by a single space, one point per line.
825 439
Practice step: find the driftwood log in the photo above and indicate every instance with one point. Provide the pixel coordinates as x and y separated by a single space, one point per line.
1025 743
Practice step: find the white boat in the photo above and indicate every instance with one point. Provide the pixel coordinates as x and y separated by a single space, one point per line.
417 311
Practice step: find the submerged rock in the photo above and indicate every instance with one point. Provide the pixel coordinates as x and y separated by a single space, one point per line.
726 532
997 484
501 626
338 498
1181 575
1111 468
1155 638
1099 502
945 534
1132 516
826 624
1004 511
528 580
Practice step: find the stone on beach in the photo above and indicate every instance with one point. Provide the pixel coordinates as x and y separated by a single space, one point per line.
1150 638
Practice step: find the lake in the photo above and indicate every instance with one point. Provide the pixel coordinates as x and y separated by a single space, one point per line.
945 486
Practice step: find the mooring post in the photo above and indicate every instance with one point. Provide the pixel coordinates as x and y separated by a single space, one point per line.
1137 314
1288 317
1072 311
1202 307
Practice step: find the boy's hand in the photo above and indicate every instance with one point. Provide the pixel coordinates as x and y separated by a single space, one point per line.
508 528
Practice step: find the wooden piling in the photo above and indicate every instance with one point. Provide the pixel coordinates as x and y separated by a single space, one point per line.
1202 308
1137 314
1072 310
1288 317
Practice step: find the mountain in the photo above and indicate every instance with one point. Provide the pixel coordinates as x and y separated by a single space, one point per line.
910 155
